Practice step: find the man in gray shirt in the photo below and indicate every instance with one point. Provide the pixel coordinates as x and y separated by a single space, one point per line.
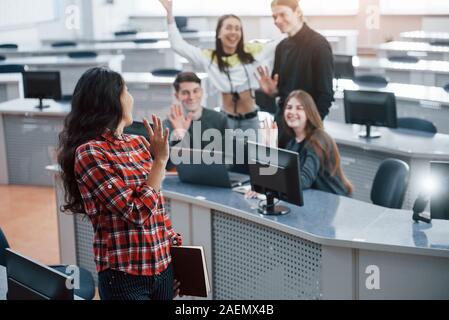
189 120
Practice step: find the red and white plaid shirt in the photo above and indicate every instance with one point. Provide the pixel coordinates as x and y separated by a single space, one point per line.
132 231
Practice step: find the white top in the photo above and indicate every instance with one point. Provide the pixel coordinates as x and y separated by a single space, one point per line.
241 80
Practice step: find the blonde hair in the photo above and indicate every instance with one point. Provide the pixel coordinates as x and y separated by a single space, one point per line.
317 138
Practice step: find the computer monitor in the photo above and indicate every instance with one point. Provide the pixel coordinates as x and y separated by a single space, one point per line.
370 108
29 280
275 173
42 85
343 67
439 199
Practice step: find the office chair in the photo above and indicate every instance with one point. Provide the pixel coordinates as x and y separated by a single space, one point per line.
12 68
82 54
59 44
417 124
165 72
2 58
390 184
443 43
403 58
140 41
87 284
9 46
371 80
343 67
125 33
446 87
181 23
265 102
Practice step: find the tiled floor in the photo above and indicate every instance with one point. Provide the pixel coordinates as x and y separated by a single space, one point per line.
28 219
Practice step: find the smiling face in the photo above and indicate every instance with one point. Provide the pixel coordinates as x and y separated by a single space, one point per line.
190 94
286 19
230 34
127 102
295 115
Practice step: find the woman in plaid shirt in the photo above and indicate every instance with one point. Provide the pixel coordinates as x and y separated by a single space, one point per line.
115 179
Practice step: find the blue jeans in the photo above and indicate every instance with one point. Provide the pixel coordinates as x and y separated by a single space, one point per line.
118 285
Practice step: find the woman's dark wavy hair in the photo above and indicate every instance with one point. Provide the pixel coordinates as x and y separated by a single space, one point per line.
96 106
245 57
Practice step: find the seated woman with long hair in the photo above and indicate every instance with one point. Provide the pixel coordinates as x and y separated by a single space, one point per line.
115 179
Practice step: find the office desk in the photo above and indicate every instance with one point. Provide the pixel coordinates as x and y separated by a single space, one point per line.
11 86
424 36
424 72
422 50
323 250
361 157
431 103
153 94
203 38
138 57
342 41
28 138
71 69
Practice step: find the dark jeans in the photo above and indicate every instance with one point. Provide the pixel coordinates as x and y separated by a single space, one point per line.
118 285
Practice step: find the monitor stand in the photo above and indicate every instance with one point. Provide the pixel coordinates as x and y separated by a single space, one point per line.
270 209
368 134
40 106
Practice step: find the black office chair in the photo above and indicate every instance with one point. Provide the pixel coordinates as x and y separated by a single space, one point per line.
165 72
12 68
2 58
87 284
343 67
125 33
444 43
417 124
446 87
403 58
371 80
59 44
82 54
390 184
141 41
9 46
181 23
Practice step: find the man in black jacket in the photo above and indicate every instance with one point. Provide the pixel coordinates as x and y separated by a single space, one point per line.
303 61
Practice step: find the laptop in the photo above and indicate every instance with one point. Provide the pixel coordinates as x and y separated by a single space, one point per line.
215 174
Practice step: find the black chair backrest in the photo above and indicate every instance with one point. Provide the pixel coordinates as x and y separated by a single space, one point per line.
343 67
3 246
82 54
12 68
125 33
417 124
9 46
63 44
444 43
446 87
403 58
166 72
181 22
390 183
2 58
371 80
140 41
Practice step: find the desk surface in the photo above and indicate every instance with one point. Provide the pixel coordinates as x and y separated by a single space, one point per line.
97 47
148 78
421 65
10 77
402 142
27 107
425 35
328 219
402 91
62 60
412 46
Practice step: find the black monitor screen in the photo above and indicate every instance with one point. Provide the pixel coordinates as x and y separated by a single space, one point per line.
370 108
343 67
439 200
42 84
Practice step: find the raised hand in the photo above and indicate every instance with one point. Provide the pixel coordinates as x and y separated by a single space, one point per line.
267 84
158 145
179 122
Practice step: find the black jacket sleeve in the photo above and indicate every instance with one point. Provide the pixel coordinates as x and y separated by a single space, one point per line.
324 74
